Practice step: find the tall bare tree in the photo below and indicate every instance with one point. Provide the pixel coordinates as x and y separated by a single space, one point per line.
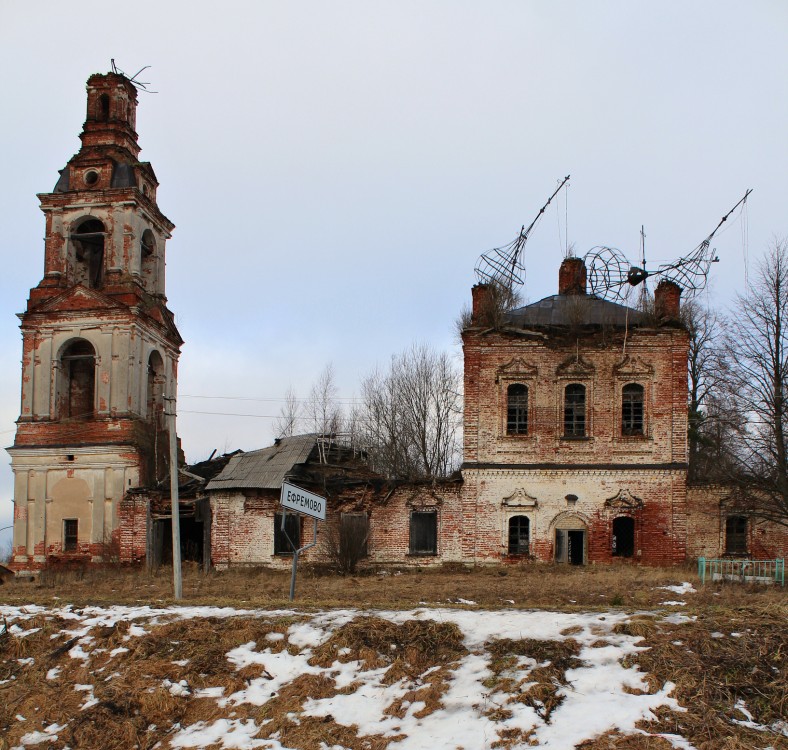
322 408
410 416
757 346
286 423
707 374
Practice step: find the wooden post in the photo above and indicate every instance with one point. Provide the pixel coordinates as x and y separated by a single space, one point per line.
176 520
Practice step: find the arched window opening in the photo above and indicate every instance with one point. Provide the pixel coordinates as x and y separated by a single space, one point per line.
632 409
623 536
575 410
517 409
88 242
736 535
519 535
155 387
78 381
103 113
148 258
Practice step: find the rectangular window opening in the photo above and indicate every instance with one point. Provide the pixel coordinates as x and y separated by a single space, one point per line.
632 410
575 411
70 534
293 530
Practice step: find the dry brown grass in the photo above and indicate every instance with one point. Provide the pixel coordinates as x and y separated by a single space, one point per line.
135 708
527 585
712 670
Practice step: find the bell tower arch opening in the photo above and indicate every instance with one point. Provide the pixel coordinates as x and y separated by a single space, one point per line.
88 254
103 108
148 260
77 382
155 390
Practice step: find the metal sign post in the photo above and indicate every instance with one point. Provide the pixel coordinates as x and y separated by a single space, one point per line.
305 503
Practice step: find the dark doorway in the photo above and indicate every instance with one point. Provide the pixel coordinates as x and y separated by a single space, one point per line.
736 535
623 542
570 546
192 542
423 532
576 546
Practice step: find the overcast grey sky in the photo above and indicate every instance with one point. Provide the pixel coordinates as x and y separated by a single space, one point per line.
334 169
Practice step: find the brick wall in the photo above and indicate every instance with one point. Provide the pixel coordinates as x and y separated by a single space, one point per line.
131 535
655 358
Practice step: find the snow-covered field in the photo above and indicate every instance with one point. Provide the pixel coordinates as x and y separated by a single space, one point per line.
480 702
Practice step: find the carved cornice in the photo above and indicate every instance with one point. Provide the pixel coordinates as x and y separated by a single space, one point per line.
520 499
633 367
624 500
517 368
575 367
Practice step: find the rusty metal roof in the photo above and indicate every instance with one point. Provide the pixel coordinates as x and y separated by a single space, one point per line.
266 468
574 309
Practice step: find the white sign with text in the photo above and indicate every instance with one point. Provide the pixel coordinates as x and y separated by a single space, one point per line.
300 501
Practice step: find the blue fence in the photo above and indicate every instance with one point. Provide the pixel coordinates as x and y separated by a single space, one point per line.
744 571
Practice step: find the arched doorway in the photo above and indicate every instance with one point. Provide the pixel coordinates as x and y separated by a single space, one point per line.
571 538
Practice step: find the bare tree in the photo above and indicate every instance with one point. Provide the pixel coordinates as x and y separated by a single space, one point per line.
758 350
323 411
289 415
707 374
344 542
410 416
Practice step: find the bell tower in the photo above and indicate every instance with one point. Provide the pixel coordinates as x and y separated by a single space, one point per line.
99 346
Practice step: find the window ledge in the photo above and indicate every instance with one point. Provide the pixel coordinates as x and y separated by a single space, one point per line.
578 439
421 554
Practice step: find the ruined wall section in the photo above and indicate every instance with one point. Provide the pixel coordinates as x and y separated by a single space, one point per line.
243 525
708 510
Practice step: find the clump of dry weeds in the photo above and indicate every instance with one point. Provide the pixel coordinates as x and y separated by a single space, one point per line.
540 686
408 649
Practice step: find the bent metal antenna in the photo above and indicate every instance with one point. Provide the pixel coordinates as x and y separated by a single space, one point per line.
503 265
611 275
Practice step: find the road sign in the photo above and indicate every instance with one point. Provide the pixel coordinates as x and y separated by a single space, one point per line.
300 501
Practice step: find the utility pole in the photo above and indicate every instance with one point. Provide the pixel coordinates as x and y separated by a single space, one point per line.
176 518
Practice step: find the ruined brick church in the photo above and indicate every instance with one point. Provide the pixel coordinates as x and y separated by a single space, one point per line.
575 416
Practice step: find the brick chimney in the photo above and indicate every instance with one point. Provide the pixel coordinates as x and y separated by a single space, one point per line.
480 294
572 276
667 300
